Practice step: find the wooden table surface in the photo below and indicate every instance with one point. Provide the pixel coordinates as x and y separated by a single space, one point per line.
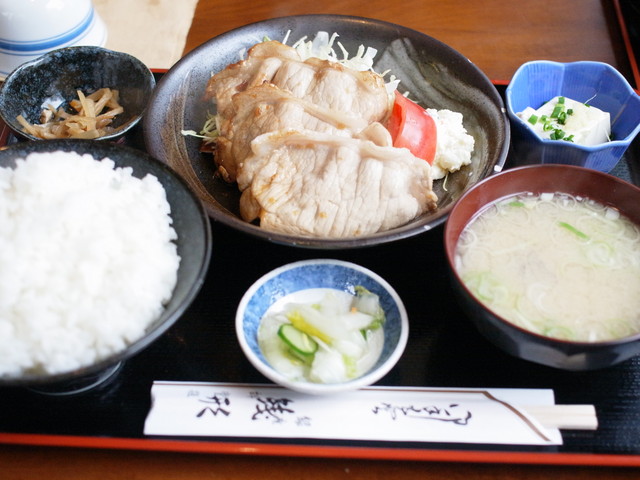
496 35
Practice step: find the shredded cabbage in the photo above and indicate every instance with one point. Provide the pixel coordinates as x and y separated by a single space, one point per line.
209 131
323 46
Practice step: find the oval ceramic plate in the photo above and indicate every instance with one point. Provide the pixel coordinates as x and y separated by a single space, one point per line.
435 74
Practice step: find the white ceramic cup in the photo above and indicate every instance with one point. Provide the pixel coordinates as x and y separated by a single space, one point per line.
30 28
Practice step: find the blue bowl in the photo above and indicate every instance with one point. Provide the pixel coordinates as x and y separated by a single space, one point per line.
322 273
534 83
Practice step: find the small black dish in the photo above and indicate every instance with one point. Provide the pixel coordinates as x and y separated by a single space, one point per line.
60 73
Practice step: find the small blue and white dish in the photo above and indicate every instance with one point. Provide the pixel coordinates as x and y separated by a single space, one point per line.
599 84
29 29
312 274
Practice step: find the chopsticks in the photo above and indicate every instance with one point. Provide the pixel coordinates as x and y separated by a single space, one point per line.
564 417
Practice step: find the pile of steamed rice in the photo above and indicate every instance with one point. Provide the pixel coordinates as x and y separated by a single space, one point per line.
87 261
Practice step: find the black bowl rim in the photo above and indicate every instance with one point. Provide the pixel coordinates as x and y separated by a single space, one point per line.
450 250
378 238
96 150
14 76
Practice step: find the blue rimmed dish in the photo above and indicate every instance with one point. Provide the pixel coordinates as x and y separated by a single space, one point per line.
291 279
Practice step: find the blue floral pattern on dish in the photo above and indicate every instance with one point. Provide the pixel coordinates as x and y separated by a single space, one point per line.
314 274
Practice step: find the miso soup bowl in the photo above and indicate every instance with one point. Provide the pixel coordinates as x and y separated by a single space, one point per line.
562 354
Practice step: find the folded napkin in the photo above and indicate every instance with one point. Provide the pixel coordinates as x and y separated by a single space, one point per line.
154 31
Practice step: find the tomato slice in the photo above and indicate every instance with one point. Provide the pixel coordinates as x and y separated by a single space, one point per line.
412 127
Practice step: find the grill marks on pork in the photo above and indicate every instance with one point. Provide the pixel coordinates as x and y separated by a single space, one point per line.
268 108
304 142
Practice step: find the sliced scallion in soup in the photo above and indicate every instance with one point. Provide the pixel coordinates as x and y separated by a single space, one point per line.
555 264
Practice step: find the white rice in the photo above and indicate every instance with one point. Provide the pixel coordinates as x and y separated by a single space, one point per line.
87 261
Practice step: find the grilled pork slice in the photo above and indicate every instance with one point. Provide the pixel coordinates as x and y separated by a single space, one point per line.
318 184
259 94
325 83
267 108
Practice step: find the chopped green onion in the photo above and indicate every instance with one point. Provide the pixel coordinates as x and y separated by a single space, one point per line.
574 230
560 100
516 203
556 111
533 119
562 118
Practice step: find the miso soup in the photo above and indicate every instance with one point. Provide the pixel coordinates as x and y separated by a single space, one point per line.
555 264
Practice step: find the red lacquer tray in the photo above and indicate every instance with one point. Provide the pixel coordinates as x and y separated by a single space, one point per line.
444 350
